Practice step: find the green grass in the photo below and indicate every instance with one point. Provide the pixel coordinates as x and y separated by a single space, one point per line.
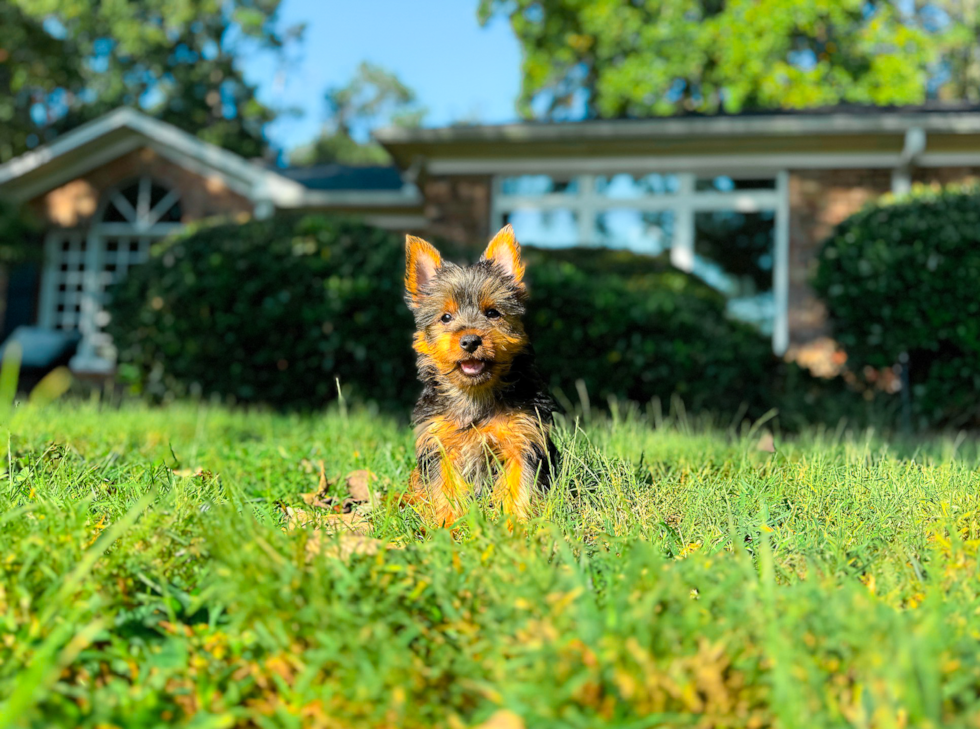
678 576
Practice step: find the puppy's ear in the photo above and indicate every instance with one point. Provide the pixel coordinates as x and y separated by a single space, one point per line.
422 262
505 252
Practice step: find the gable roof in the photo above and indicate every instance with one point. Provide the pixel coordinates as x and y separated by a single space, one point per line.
345 177
124 130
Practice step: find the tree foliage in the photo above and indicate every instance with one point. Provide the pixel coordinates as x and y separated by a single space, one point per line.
63 62
615 58
373 96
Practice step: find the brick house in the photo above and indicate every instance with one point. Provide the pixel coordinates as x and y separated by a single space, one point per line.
741 201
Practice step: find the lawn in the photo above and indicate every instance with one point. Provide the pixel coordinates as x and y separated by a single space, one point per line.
679 575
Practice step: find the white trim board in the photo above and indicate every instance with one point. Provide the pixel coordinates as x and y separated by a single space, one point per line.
781 125
88 163
716 164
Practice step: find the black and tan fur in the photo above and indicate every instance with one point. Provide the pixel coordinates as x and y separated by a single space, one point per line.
484 417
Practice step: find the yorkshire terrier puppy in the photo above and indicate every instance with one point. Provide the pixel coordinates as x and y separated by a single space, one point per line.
484 417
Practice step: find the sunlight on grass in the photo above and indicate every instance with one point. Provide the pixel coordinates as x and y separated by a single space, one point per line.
678 574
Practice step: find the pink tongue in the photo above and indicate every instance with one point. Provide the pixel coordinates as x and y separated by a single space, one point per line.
472 367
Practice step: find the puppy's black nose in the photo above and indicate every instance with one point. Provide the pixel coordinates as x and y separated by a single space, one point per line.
470 342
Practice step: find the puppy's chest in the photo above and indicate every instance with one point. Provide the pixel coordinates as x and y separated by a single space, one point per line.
474 446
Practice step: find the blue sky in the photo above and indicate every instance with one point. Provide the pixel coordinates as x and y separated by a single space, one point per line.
458 69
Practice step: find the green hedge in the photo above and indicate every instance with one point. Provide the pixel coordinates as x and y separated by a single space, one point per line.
901 277
273 311
268 311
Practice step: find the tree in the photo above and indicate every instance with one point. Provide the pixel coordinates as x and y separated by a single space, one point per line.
374 96
959 73
618 58
68 62
34 65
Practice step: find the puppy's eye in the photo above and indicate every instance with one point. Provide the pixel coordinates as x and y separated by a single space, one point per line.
446 318
492 314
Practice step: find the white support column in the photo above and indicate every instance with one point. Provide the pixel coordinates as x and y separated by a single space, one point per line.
586 210
915 145
682 247
780 267
86 359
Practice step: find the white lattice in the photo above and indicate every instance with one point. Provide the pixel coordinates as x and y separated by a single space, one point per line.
81 265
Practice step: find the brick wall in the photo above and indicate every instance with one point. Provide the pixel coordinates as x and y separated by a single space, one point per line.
946 175
819 200
74 203
458 209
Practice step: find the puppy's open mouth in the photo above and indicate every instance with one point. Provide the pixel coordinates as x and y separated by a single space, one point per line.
473 367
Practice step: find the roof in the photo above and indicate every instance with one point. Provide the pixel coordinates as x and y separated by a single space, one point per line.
828 120
345 177
867 136
124 130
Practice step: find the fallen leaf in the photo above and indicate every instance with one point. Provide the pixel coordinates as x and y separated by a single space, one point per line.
341 547
359 485
315 499
766 443
297 518
351 522
329 523
322 488
502 719
344 545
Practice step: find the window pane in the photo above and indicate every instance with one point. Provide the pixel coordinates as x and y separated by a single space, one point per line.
157 193
545 228
114 215
733 252
729 184
629 187
530 185
641 232
173 215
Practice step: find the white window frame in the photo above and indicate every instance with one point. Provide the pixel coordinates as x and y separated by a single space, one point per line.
95 352
684 204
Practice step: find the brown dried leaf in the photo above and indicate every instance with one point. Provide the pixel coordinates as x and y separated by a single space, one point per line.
188 472
297 518
322 488
342 547
351 523
502 719
316 499
766 443
359 485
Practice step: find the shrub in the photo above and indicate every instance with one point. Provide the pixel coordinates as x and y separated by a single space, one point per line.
656 333
900 277
274 310
269 311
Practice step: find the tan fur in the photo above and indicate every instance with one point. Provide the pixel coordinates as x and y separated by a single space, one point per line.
473 431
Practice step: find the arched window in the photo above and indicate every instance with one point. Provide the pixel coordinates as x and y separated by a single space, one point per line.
81 264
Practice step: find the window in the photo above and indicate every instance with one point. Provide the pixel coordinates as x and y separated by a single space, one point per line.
80 265
726 229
